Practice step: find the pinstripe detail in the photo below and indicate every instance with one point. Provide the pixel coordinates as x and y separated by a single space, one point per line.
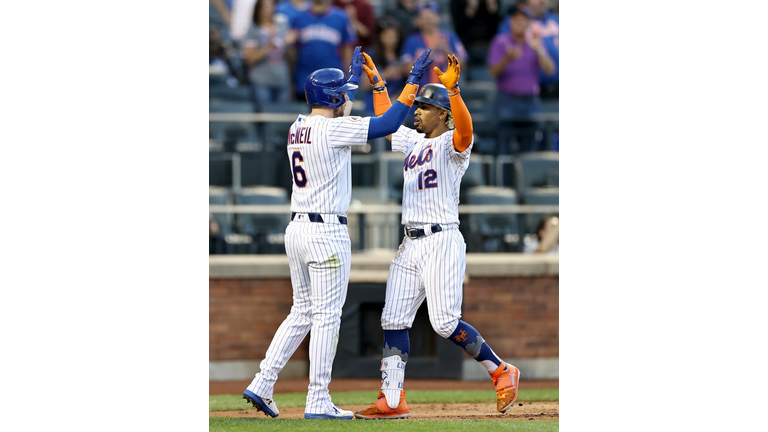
319 256
327 163
437 205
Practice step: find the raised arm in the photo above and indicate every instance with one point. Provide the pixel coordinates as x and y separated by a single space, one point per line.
462 134
391 117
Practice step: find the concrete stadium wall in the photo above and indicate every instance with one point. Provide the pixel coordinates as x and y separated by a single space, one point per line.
511 299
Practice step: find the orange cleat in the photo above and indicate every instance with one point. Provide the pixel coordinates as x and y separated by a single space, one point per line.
380 409
506 379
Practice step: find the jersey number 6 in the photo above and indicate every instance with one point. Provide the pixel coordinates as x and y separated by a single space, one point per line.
299 176
430 179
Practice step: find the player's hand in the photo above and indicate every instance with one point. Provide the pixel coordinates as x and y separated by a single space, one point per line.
450 78
373 74
356 67
419 66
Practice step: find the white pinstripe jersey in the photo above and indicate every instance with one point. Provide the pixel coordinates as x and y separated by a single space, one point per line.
319 151
431 178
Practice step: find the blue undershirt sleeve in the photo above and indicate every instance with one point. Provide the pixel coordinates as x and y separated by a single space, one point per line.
389 122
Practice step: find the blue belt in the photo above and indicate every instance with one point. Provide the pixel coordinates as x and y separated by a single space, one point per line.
415 233
314 217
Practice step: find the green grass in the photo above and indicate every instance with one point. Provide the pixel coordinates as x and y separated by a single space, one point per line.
289 400
230 424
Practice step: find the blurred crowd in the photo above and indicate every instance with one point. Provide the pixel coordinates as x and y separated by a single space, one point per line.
511 48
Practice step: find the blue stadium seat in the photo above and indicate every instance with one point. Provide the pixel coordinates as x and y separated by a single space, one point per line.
493 232
267 230
538 169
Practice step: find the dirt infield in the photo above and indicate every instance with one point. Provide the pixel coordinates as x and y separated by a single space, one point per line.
437 411
299 385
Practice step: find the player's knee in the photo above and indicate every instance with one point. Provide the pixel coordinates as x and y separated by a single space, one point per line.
326 315
444 328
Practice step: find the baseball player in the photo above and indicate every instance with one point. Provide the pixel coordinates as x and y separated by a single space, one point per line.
316 240
431 261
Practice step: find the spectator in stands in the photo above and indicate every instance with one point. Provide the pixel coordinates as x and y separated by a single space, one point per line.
223 9
385 52
547 24
292 8
213 234
264 54
429 35
326 39
404 11
516 63
547 237
475 22
218 57
363 19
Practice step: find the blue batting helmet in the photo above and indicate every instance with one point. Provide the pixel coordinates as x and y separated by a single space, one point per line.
324 87
435 94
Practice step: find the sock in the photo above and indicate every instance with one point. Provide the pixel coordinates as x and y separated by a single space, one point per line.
396 342
396 348
470 341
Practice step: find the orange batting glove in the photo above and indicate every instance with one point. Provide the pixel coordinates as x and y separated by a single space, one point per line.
450 78
373 74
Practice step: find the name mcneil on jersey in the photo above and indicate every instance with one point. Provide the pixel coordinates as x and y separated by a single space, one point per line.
301 136
412 160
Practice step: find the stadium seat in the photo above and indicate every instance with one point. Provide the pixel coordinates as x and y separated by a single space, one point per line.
395 179
265 168
539 196
220 196
538 169
473 177
230 132
219 169
291 107
493 232
267 230
225 93
480 73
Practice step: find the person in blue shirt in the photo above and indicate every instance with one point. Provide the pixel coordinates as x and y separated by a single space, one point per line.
292 8
547 25
325 39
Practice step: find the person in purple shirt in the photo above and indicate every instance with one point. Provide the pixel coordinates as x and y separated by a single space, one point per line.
325 40
516 62
547 24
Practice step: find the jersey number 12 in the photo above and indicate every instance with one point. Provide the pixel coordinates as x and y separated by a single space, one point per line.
430 179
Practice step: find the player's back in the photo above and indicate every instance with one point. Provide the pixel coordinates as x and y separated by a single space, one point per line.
319 151
432 175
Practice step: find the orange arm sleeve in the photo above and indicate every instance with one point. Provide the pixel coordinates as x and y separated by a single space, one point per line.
462 134
381 102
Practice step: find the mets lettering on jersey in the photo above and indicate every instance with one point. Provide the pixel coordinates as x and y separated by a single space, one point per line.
431 178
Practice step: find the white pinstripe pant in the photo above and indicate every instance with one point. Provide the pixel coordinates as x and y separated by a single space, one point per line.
319 256
430 267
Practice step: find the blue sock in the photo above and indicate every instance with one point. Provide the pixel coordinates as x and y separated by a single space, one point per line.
470 341
396 342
